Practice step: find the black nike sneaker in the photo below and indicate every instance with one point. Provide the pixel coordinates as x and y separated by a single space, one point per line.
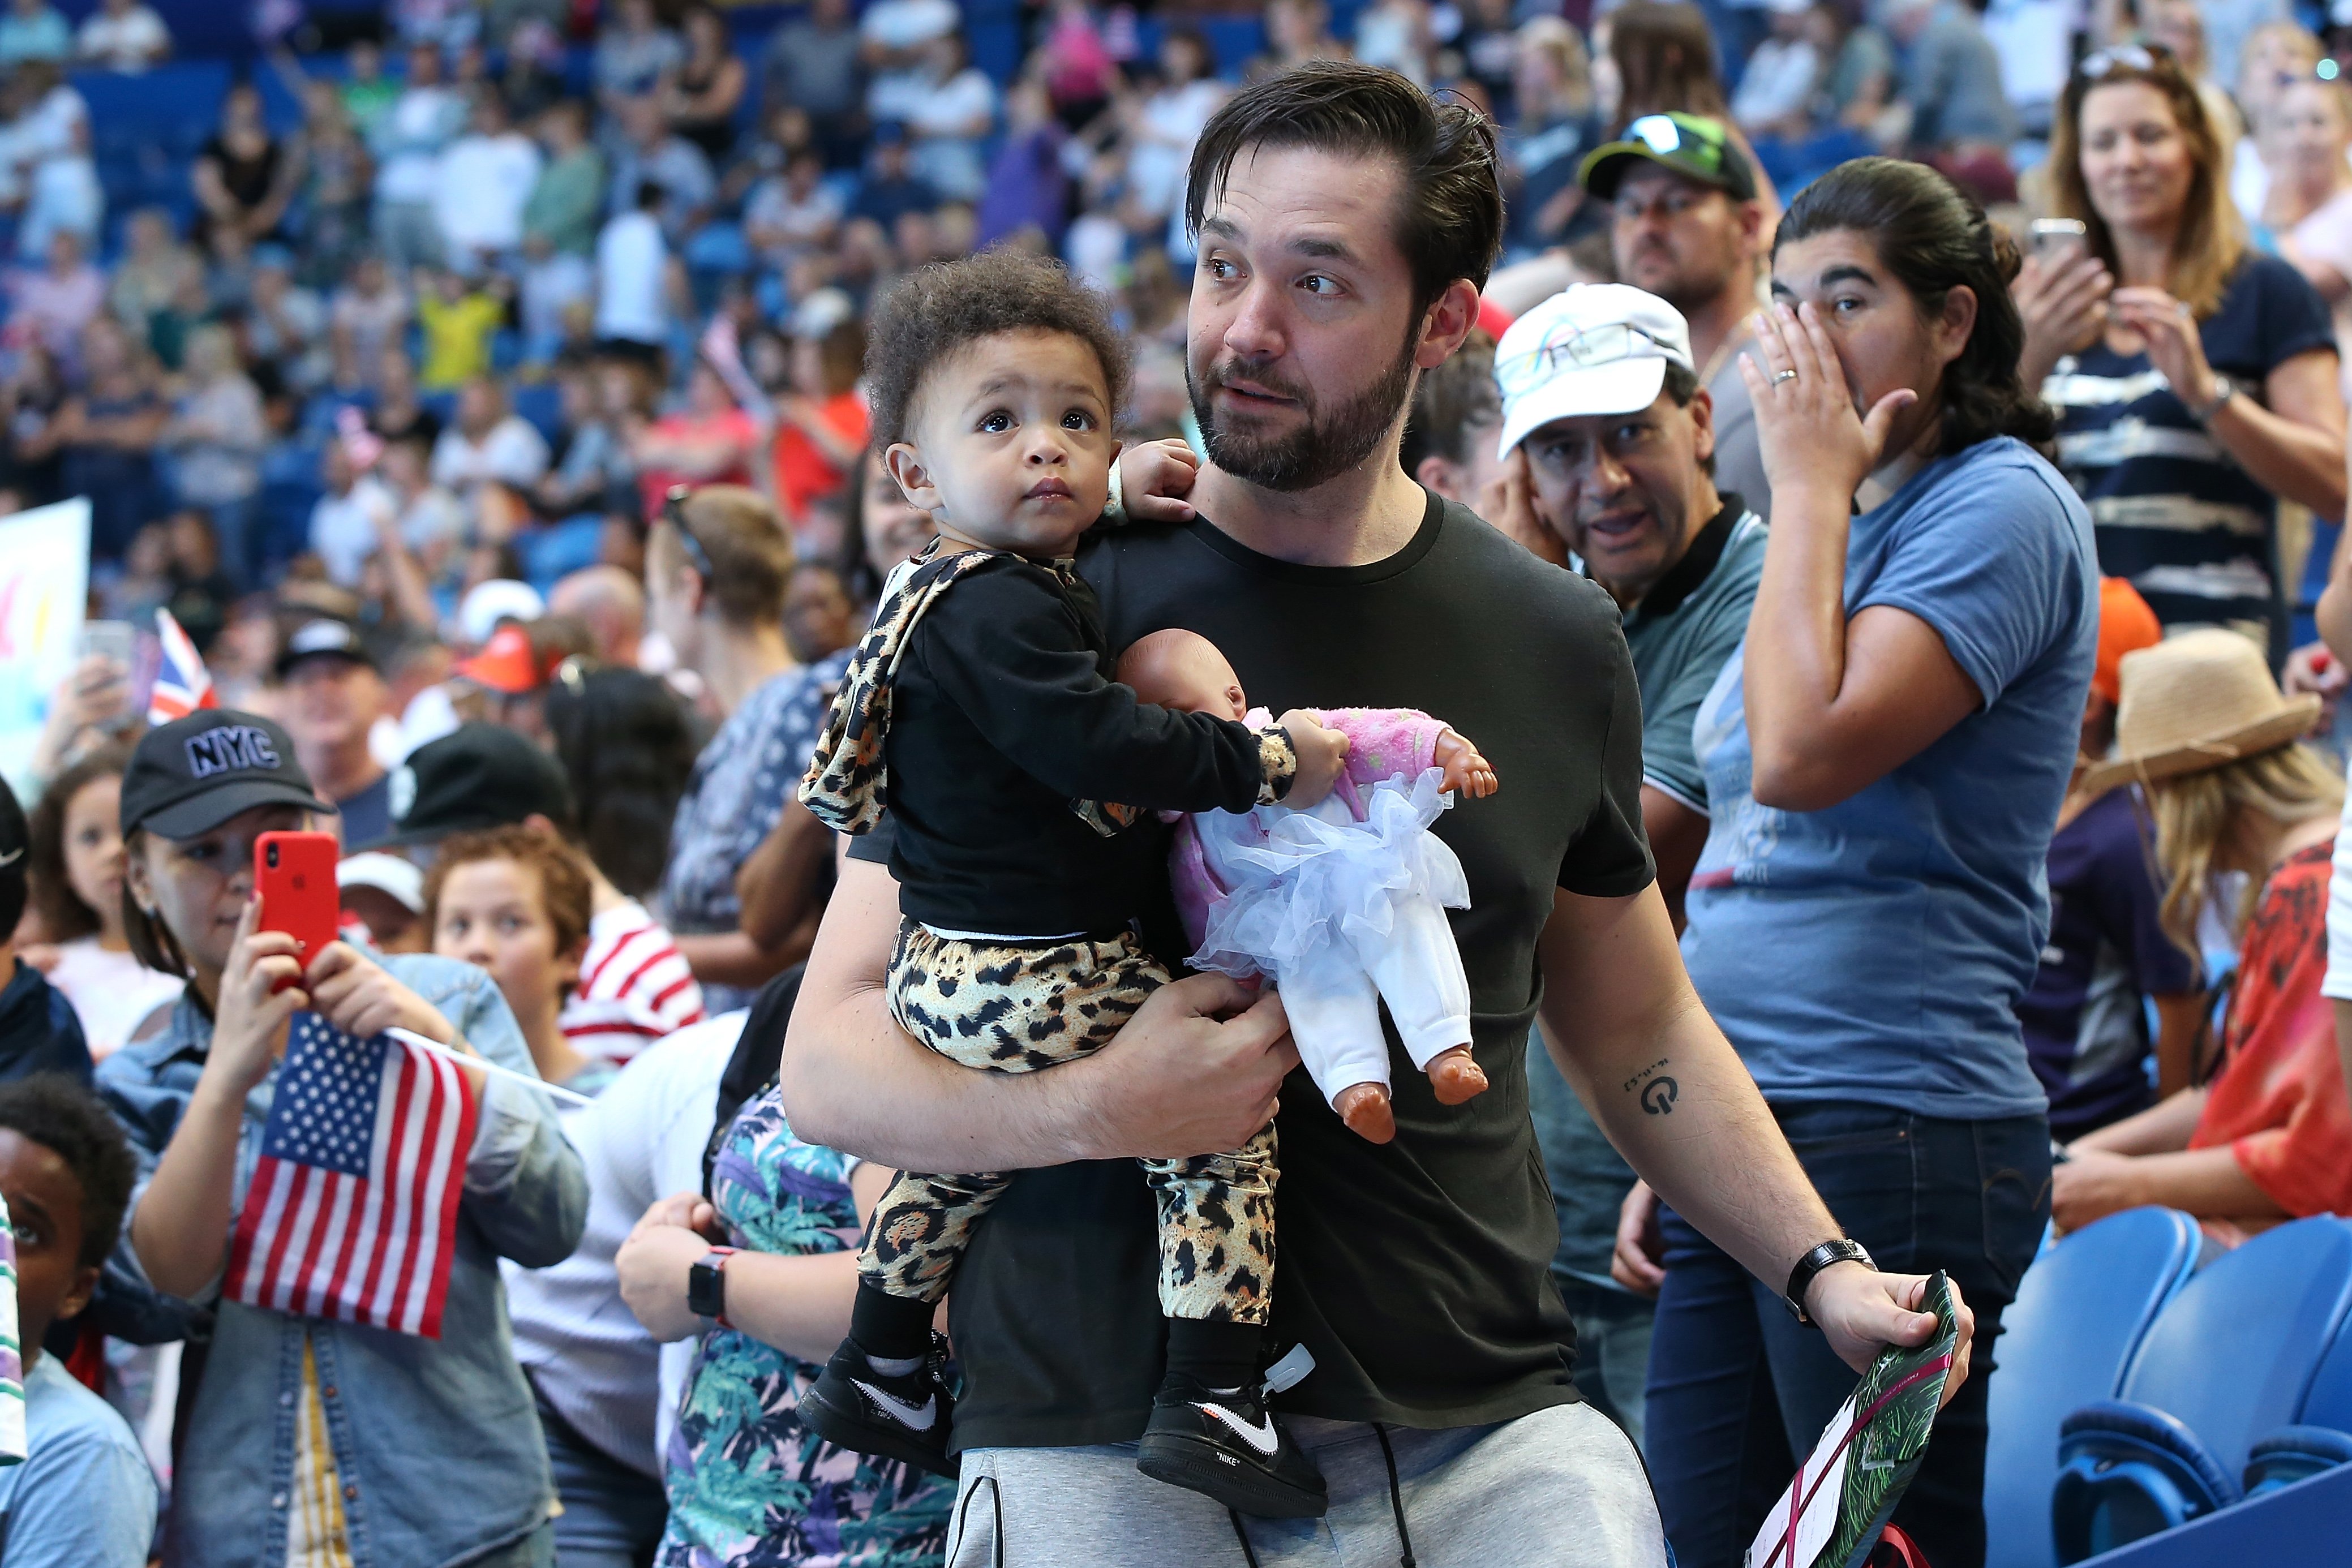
1226 1444
906 1418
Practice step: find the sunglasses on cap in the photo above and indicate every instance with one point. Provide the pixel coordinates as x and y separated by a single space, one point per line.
2100 64
673 514
1606 344
1662 134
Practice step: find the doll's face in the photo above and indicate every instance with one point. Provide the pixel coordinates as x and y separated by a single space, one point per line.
1010 445
1182 670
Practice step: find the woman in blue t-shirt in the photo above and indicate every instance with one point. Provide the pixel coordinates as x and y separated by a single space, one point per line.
2194 380
1886 757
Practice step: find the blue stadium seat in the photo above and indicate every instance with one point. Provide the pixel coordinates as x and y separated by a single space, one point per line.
2322 1437
2066 1343
2329 1403
2293 1454
559 548
2128 1471
541 402
2232 1359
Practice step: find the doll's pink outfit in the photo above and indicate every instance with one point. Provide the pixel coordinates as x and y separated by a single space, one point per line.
1342 904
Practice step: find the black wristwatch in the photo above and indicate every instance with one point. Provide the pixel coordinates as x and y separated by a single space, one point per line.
1800 1277
705 1286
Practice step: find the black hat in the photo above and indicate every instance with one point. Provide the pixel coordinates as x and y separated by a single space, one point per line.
192 774
323 636
477 776
1691 145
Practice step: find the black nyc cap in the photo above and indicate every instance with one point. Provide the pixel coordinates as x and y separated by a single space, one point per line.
477 776
191 774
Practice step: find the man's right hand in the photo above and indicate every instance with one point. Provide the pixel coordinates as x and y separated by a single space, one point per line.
1198 1070
1321 755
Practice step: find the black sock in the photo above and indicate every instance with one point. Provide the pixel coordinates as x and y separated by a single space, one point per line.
895 1328
1222 1354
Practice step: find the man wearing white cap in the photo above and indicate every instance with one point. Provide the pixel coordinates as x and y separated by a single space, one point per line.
1599 386
1599 390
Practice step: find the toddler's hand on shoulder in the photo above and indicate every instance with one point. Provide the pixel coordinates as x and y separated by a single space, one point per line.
1322 753
1154 477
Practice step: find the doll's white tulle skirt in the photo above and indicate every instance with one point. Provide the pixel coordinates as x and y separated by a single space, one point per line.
1308 883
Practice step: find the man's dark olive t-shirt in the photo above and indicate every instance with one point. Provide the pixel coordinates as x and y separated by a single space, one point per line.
1417 1273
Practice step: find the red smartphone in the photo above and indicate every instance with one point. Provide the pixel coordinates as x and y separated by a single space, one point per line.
295 873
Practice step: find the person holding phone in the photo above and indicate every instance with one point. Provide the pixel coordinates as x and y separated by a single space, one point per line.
2195 380
306 1439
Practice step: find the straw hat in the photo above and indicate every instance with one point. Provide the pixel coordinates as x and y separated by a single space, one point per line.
2194 702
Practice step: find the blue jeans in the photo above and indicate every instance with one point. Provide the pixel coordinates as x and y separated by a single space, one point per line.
613 1516
1739 1388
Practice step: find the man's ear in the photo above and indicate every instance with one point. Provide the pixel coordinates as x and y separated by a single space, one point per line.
906 465
1447 323
1701 410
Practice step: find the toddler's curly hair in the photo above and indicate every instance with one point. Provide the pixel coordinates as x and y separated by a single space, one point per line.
937 309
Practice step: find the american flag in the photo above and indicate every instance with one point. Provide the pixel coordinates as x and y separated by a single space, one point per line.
354 1205
183 684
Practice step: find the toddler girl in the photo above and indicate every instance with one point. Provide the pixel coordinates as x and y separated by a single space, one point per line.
980 706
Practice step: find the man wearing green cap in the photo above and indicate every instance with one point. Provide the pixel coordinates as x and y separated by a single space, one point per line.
1687 226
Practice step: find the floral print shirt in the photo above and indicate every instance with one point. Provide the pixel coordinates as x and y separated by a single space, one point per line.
749 1486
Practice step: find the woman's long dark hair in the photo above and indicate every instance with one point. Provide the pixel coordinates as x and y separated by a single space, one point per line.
625 746
1934 238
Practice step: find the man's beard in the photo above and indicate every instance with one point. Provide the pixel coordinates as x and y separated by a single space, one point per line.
1323 448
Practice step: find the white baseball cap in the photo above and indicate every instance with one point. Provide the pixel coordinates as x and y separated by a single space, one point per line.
488 602
1592 348
398 879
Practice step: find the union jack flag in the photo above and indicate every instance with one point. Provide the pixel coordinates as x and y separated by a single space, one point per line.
353 1207
183 684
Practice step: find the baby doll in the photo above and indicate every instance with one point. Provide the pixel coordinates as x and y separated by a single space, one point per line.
1342 904
980 707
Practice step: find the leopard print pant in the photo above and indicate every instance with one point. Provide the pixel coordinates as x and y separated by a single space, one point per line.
1004 1008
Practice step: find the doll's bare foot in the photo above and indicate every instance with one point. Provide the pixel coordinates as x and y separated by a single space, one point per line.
1456 1076
1365 1108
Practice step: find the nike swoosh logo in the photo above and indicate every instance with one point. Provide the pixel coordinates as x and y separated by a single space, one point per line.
1262 1436
914 1418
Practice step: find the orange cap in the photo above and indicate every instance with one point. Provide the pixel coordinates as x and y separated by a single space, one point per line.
506 664
2125 626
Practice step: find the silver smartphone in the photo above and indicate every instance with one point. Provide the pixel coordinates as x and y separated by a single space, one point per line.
2058 239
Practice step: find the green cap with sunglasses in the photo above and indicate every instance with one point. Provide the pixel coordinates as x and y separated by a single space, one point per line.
1696 148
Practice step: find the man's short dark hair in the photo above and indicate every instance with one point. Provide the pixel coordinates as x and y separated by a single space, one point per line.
937 309
1448 400
65 1118
1452 222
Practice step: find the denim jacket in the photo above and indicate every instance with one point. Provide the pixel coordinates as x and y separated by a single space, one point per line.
436 1442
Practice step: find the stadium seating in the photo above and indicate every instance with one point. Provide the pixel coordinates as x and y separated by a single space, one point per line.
2232 1359
2065 1342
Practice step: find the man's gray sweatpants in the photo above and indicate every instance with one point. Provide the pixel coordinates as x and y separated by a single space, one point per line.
1562 1489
